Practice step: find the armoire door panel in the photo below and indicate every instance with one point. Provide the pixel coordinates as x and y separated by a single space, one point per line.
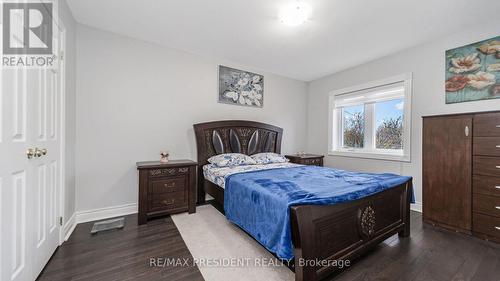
447 169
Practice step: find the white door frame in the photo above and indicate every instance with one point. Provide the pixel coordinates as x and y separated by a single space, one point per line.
59 25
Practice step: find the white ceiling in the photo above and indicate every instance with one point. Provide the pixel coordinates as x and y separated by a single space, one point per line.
340 33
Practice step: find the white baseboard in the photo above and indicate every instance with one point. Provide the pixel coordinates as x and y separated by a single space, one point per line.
417 207
69 226
106 213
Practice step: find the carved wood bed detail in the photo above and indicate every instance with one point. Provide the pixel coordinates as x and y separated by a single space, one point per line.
334 232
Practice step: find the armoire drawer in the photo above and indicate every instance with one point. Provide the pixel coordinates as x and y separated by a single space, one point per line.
486 225
487 205
487 125
486 185
487 166
487 146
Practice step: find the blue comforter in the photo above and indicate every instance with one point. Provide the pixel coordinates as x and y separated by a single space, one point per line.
259 201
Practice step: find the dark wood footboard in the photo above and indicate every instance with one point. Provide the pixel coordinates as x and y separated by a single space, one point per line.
325 237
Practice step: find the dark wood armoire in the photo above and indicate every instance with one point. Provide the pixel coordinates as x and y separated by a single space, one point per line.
461 173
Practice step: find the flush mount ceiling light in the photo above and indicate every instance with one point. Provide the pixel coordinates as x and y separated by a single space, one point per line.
295 13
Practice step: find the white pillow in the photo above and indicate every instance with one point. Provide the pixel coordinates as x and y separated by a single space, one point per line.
268 158
231 159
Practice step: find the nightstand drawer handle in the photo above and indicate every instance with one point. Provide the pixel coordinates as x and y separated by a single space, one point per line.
498 126
498 167
167 203
497 227
169 185
498 146
497 207
497 187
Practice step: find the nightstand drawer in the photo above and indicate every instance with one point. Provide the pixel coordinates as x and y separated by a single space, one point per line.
166 188
168 172
314 162
306 159
165 201
168 185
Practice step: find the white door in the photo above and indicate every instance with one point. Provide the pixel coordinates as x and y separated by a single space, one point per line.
30 118
46 167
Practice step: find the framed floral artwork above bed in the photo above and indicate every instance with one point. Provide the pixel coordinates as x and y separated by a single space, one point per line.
473 72
240 87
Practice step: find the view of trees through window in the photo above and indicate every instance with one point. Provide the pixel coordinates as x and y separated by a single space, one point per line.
354 126
388 125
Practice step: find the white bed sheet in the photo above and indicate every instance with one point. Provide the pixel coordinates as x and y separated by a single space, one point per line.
217 175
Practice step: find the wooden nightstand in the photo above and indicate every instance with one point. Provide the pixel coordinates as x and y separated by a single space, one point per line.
166 188
306 159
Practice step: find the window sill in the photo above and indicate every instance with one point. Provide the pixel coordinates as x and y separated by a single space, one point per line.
371 155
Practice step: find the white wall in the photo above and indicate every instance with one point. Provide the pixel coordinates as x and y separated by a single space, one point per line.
70 114
427 62
135 99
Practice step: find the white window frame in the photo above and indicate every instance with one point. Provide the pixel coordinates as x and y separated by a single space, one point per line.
369 151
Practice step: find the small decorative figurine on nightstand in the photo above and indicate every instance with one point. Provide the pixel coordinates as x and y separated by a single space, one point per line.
164 156
306 159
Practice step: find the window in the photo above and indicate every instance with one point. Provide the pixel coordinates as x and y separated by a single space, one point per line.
353 126
372 120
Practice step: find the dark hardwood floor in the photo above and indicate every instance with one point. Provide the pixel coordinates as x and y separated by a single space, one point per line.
121 254
430 254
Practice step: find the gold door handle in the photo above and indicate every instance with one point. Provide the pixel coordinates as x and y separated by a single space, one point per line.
40 152
30 153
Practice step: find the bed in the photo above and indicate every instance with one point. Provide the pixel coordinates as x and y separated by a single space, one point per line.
327 232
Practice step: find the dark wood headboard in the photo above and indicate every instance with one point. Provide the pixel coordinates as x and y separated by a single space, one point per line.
233 136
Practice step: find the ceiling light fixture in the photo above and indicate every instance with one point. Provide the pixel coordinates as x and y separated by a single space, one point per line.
295 13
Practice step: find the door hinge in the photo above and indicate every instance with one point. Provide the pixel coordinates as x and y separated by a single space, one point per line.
60 221
61 55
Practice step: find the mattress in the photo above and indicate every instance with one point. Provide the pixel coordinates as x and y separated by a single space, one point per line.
218 175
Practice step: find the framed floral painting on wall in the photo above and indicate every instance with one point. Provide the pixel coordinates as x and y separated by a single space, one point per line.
240 87
473 72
